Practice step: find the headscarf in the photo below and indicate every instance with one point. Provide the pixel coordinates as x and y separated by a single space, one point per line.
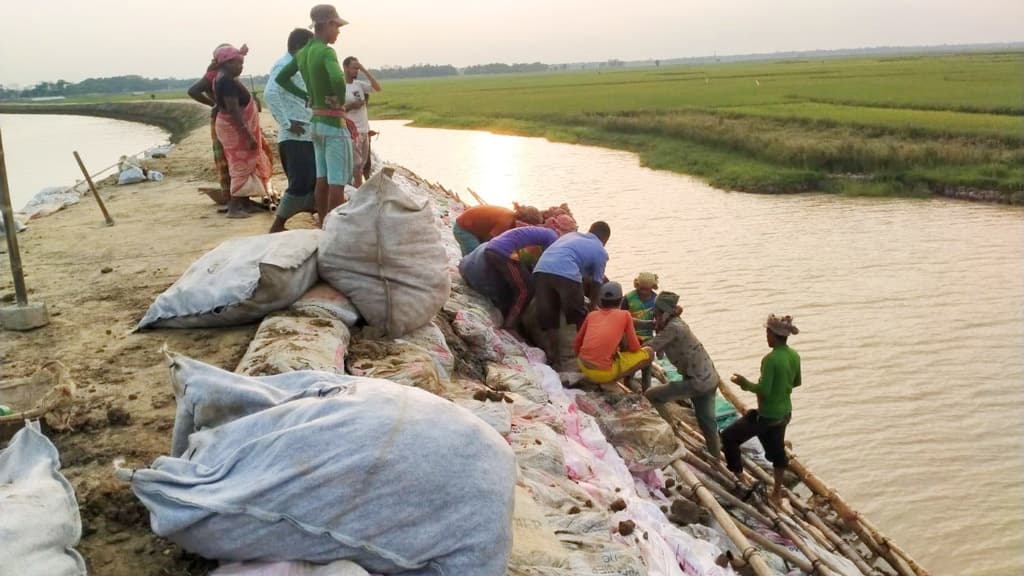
781 326
227 53
666 302
562 224
649 279
528 214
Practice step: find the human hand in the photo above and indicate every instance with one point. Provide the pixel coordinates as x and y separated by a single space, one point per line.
297 128
740 381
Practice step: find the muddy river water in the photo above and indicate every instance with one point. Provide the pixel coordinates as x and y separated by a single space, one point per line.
911 315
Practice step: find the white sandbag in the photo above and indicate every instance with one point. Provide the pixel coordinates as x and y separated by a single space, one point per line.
131 175
287 342
321 467
39 521
339 568
240 281
381 249
322 299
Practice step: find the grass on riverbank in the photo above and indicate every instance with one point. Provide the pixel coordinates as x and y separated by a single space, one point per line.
898 125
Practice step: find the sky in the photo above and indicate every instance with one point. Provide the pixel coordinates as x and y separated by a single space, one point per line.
75 39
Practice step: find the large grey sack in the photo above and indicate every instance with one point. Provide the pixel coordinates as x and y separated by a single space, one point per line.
382 250
319 467
39 521
240 281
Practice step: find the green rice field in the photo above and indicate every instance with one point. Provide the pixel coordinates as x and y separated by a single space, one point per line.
886 126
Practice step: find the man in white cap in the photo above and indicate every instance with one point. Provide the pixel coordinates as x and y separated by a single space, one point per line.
318 64
780 373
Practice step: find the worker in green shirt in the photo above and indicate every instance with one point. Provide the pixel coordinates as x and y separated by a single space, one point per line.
317 63
780 373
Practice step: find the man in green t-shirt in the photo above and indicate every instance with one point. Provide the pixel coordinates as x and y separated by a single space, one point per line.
780 373
332 143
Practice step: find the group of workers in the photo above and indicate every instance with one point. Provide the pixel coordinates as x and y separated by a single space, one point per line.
320 107
513 256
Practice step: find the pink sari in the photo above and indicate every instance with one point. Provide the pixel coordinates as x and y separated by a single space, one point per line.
245 164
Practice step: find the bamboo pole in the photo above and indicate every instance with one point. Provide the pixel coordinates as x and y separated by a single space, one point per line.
749 553
95 193
868 533
479 200
777 549
11 231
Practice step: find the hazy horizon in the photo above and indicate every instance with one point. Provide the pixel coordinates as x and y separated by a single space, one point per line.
154 41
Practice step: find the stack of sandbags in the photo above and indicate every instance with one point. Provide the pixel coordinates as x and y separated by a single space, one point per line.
39 521
383 251
321 467
240 281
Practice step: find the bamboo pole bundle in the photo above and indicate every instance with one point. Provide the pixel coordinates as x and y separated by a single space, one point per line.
750 554
693 439
899 559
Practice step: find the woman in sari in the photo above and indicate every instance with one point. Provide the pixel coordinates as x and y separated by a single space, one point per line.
238 130
202 92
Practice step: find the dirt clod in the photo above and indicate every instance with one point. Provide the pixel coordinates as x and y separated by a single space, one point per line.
106 270
574 510
618 505
118 416
626 527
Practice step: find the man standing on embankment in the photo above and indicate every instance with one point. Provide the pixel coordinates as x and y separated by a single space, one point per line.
318 64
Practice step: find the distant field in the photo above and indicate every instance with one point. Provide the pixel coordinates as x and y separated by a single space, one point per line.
907 125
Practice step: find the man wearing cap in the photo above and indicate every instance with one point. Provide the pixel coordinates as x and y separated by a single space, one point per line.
687 354
606 346
640 303
559 282
780 373
318 64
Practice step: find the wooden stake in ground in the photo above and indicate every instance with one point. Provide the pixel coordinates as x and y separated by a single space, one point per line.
92 187
21 316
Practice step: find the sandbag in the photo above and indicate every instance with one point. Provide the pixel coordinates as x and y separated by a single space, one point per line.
381 249
240 281
339 568
39 521
323 300
397 361
643 439
286 342
321 467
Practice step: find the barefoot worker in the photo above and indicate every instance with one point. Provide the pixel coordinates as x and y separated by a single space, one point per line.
563 272
238 129
687 354
294 144
607 347
516 280
640 303
780 373
482 223
202 92
332 142
357 96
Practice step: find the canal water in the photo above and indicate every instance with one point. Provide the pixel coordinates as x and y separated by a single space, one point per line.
38 148
911 314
